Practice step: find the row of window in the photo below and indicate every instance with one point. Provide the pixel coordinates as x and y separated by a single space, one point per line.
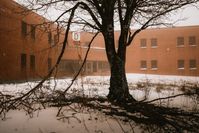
24 30
192 64
73 66
154 64
180 42
32 62
52 39
180 64
24 62
143 43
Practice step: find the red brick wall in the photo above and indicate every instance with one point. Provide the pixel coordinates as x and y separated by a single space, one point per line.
13 44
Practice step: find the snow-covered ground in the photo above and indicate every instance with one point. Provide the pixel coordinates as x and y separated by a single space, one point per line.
45 121
98 85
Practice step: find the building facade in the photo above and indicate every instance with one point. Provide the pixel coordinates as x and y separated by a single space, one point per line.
168 51
30 46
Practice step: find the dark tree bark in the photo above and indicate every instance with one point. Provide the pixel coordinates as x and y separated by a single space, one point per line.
119 89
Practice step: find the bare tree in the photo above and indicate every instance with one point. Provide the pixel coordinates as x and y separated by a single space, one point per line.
102 16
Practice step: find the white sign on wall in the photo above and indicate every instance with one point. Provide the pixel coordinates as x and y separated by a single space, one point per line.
76 36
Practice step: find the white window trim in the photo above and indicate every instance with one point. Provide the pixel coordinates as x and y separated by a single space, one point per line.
193 68
194 45
154 46
180 46
154 68
143 68
181 68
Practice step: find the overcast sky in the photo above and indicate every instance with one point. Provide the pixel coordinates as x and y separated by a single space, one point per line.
191 14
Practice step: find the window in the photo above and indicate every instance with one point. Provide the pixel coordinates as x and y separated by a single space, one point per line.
192 64
23 28
180 41
88 67
32 62
153 42
180 64
49 64
143 43
33 28
192 41
94 66
23 61
154 65
143 65
49 37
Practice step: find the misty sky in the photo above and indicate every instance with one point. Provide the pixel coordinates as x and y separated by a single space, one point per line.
191 14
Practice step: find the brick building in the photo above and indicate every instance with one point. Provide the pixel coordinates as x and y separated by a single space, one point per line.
30 45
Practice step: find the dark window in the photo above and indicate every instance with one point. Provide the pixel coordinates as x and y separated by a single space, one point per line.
32 62
94 66
192 40
192 64
154 42
33 28
49 64
180 64
180 41
23 28
143 43
23 61
49 37
154 64
88 67
143 64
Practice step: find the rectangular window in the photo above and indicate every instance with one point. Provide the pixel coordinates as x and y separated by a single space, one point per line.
49 64
143 65
180 64
143 43
154 65
154 43
50 38
180 41
33 28
32 62
23 61
192 41
192 64
23 28
88 67
94 66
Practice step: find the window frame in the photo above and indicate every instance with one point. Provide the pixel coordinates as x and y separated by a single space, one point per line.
32 62
152 64
154 41
180 41
143 41
33 32
143 63
24 28
193 38
179 62
190 64
23 61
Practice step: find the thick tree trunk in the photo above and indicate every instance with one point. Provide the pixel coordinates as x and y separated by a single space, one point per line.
119 90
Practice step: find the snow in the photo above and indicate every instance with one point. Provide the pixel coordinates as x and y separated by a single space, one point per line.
97 85
88 120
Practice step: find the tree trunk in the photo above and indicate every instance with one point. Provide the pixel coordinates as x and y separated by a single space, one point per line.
119 90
